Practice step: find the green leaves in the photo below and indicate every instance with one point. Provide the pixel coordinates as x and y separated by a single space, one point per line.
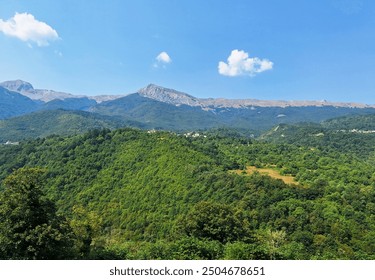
29 226
214 221
159 195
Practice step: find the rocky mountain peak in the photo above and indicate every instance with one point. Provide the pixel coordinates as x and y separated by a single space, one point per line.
17 85
167 95
28 90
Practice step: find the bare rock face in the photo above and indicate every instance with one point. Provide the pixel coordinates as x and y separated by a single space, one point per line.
28 90
173 97
17 85
47 95
167 95
177 98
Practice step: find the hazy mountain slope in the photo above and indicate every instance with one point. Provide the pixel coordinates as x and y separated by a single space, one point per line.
27 89
264 118
46 95
61 122
82 104
357 122
158 114
15 104
350 134
163 108
17 85
177 98
173 114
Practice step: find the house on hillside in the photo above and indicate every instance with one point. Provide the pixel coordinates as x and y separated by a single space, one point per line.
11 143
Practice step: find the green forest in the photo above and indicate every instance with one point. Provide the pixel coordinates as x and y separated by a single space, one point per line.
136 194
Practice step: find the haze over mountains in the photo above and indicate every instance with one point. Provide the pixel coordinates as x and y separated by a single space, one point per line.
45 95
178 98
170 96
152 107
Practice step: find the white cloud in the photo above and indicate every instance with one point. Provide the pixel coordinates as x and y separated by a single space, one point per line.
240 64
162 59
26 28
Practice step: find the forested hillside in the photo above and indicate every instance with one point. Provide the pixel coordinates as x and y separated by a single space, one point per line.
351 134
58 122
132 194
152 107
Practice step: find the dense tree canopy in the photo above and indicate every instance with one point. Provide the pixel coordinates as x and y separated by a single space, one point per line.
29 226
132 194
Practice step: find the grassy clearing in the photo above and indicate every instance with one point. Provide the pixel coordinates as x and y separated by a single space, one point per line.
288 179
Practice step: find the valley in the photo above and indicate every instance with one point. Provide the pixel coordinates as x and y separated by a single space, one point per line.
159 175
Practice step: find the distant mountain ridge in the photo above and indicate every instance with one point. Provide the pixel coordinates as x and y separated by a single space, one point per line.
27 89
177 98
156 107
173 97
45 95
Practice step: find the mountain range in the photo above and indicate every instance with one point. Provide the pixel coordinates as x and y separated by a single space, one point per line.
299 191
153 107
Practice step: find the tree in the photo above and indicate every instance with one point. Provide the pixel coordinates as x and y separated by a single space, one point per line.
273 240
215 221
29 226
86 226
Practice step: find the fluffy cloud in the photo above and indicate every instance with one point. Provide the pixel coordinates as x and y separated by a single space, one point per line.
240 64
162 60
26 28
163 57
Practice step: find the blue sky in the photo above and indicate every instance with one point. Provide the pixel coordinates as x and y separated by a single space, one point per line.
271 49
